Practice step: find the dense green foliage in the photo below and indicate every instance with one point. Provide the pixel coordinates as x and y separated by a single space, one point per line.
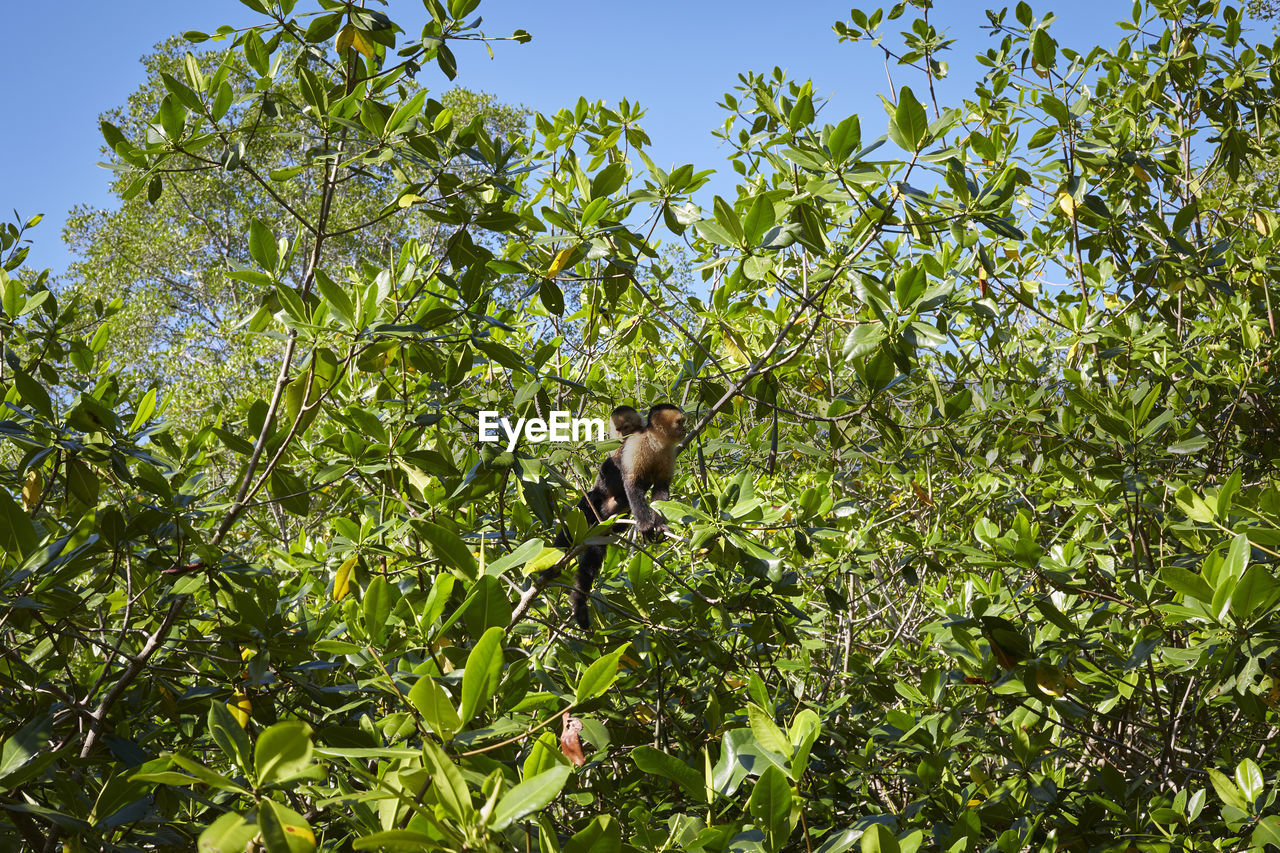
978 523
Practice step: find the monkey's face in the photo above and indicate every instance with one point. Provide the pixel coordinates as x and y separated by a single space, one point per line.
669 420
626 420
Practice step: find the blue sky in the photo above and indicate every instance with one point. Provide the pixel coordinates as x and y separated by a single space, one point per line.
66 61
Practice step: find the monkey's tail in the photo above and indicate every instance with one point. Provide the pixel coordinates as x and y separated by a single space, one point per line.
588 567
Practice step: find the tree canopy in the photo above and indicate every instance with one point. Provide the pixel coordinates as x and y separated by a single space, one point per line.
977 521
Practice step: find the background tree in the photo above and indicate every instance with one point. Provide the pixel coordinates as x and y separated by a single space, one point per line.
180 322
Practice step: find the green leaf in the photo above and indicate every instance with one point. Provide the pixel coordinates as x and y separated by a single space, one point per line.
323 27
766 731
602 835
727 218
878 839
489 606
335 296
1189 445
146 408
760 218
712 231
450 788
770 806
112 135
482 674
290 491
658 763
805 729
519 557
229 736
1186 582
1257 591
435 706
909 286
376 608
24 746
608 180
1044 49
543 755
1229 573
862 340
82 482
172 116
447 62
1266 832
17 533
1227 791
262 246
397 841
451 550
909 122
200 773
600 676
230 833
283 751
1249 779
529 796
844 139
801 112
255 52
273 837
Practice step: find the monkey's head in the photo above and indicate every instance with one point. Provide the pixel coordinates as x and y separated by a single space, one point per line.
626 420
668 421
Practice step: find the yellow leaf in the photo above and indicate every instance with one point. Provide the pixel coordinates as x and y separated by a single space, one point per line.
982 273
245 654
1050 681
349 37
1068 205
364 44
560 262
346 38
239 707
547 558
1012 253
1071 351
166 699
342 582
1259 223
303 832
1140 173
409 200
32 490
734 351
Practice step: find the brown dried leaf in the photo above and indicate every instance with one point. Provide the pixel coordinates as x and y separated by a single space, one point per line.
570 744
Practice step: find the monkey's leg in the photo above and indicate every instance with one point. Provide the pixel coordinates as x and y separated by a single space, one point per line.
588 567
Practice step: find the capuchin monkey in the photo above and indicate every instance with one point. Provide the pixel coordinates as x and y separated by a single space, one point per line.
645 462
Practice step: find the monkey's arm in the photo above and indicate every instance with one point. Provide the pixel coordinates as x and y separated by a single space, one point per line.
647 521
